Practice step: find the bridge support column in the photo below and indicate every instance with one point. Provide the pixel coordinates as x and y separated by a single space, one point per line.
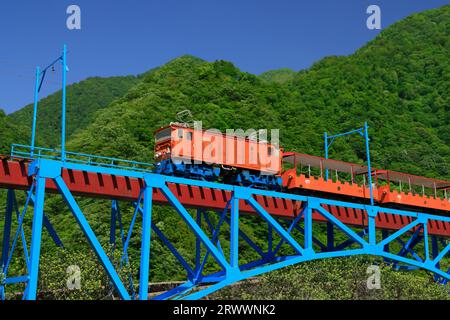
36 236
7 228
113 225
269 242
372 213
198 245
234 235
308 233
426 242
6 241
145 245
435 253
330 236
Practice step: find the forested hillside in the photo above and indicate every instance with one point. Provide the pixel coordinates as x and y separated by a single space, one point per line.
10 133
83 100
399 83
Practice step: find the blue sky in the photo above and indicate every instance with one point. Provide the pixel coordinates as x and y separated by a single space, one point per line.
130 37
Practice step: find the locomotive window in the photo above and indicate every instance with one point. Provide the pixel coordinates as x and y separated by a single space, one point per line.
163 135
189 136
269 151
180 133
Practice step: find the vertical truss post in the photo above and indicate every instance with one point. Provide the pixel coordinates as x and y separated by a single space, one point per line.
112 229
7 228
435 253
234 234
426 243
308 230
146 241
115 217
198 244
384 235
36 236
386 248
269 242
6 239
330 236
372 213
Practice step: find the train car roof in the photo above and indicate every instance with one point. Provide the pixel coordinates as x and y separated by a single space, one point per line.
412 179
319 162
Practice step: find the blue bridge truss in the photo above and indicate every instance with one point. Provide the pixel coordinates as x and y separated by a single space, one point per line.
298 235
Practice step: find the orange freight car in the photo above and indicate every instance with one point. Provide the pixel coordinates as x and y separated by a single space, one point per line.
389 186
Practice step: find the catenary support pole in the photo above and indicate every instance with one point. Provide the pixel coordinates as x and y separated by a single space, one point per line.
63 115
369 166
35 107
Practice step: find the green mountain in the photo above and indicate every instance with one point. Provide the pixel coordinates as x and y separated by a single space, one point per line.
84 99
398 82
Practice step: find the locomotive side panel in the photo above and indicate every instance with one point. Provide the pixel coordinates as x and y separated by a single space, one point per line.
189 145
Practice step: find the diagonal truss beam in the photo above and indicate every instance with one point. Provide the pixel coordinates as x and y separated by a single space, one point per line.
89 233
194 227
349 232
278 228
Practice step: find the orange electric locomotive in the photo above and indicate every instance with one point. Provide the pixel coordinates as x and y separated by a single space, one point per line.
213 156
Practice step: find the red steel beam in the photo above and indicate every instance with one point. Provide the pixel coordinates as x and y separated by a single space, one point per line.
13 175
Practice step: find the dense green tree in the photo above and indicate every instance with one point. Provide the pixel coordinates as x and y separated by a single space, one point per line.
279 76
10 133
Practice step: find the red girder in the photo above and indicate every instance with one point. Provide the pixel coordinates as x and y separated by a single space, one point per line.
13 175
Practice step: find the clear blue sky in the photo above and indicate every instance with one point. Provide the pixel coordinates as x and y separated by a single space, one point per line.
130 37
